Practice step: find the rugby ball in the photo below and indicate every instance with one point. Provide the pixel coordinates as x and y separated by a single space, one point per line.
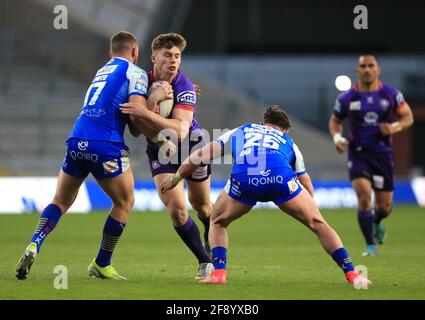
165 107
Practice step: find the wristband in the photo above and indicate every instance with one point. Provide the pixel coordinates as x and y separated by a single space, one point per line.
396 126
176 179
337 137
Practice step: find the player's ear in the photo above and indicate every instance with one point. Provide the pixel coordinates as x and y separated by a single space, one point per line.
153 58
110 53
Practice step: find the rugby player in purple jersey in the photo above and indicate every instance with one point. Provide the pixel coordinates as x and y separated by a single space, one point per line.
375 112
166 58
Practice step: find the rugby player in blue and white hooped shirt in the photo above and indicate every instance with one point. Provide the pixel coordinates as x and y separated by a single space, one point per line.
375 112
96 146
268 166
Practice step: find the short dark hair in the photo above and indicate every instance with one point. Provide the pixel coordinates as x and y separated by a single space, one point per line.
275 115
122 41
365 54
168 40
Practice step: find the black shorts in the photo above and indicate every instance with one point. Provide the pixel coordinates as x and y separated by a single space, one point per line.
158 165
378 167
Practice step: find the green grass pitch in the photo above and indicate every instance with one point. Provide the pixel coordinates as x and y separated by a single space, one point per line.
271 256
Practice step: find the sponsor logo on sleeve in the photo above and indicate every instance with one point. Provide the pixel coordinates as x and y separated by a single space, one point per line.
337 106
400 98
186 97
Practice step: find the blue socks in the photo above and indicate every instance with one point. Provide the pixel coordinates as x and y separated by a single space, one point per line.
111 234
343 260
47 222
219 257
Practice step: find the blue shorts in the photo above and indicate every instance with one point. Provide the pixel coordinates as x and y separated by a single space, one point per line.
103 159
250 189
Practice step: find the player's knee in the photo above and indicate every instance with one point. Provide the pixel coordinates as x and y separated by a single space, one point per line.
63 203
383 208
316 224
125 203
220 220
203 208
364 201
177 212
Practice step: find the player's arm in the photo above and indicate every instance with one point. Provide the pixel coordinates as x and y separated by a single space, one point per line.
160 91
137 94
302 175
179 124
405 119
136 128
201 156
335 127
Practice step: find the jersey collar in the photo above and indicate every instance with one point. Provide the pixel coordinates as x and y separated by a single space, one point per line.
356 86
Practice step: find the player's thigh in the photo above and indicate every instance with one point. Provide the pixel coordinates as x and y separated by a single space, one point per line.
173 198
303 208
120 189
199 192
66 190
383 200
226 209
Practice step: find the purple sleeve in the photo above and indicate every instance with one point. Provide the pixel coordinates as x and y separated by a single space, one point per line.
184 94
398 98
340 106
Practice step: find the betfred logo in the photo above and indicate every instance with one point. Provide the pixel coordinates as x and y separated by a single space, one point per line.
186 97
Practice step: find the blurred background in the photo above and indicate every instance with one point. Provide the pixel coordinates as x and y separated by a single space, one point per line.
244 54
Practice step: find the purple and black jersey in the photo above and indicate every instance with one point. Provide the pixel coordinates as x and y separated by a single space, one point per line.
370 153
365 112
184 98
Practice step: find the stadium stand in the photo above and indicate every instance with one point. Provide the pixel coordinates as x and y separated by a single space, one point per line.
44 76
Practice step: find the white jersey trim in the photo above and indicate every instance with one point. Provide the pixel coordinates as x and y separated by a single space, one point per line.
299 160
138 80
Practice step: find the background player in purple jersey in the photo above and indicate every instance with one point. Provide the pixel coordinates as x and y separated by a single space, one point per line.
375 112
166 58
96 146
